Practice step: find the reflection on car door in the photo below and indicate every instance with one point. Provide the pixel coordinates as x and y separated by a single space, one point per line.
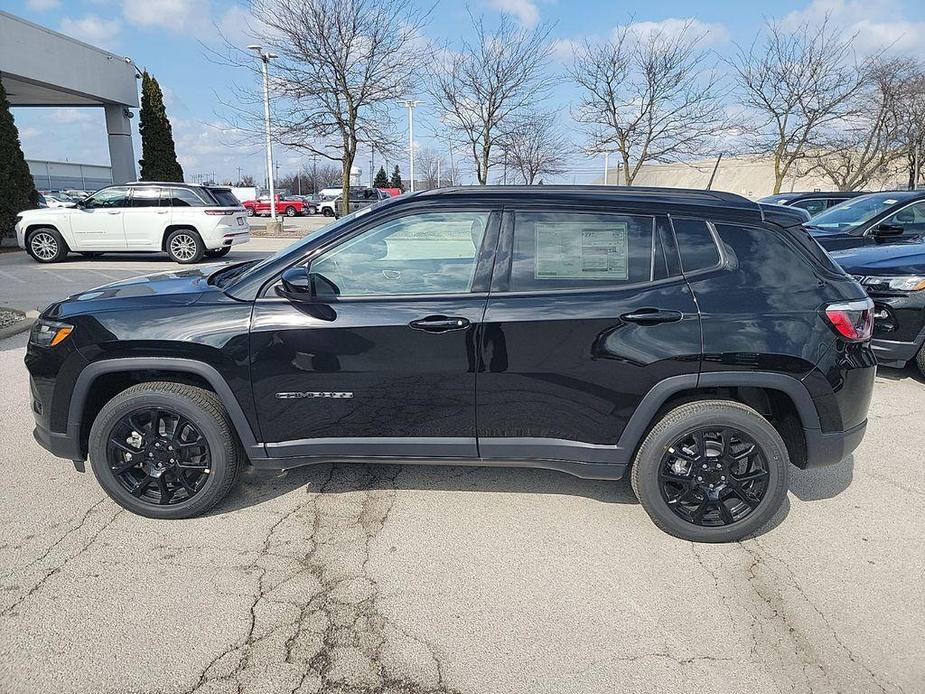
98 223
584 318
145 219
388 366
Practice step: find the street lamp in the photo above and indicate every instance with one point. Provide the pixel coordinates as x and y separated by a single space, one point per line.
411 106
265 58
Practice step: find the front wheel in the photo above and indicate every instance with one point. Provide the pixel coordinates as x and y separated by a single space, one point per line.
711 471
46 245
184 246
165 450
218 252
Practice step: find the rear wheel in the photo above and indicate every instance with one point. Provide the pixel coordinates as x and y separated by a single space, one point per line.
184 246
250 211
218 252
711 471
46 245
328 212
165 450
290 212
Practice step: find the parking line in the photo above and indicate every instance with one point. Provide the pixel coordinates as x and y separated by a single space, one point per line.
58 275
12 277
105 274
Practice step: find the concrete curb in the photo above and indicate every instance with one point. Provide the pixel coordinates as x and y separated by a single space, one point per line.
19 326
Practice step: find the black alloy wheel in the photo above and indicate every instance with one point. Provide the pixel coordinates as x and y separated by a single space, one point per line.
713 476
158 456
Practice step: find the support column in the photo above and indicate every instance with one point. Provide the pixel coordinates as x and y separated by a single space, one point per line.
121 154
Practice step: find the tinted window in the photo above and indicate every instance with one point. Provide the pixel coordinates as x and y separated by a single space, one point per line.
432 253
183 197
911 219
696 245
108 197
577 250
146 197
224 197
814 206
853 214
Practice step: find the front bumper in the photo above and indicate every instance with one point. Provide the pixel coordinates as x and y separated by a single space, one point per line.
59 445
828 448
899 327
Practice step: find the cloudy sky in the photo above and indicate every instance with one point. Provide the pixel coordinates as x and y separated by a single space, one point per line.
172 39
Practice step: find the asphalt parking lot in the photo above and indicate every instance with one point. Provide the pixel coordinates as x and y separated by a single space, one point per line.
352 578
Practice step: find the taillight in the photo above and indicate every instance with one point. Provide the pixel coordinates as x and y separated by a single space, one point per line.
217 213
852 320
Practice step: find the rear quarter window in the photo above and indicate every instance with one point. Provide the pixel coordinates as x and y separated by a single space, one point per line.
224 197
695 244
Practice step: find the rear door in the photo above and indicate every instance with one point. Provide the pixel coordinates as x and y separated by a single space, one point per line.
387 366
145 219
583 319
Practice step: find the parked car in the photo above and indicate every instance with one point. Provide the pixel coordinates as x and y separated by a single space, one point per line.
871 219
360 197
290 206
55 200
815 202
77 194
186 221
695 340
309 205
894 277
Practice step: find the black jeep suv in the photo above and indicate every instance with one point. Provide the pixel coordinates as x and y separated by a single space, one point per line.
698 340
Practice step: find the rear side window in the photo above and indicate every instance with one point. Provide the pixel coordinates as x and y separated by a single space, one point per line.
146 197
224 197
696 245
183 197
576 250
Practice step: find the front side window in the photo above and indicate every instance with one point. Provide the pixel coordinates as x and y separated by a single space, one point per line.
911 219
108 197
577 250
146 197
183 197
426 253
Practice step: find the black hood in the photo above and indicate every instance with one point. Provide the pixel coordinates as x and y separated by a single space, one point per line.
883 260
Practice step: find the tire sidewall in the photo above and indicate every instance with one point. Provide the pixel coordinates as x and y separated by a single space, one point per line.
648 460
200 246
221 452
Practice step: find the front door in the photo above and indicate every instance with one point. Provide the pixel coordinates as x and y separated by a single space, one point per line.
584 318
97 223
387 366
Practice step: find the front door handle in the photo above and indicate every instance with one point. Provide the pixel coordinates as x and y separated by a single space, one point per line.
652 316
439 324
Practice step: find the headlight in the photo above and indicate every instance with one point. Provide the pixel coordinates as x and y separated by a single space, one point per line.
47 333
904 283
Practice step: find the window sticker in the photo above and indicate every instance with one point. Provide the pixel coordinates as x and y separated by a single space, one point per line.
582 251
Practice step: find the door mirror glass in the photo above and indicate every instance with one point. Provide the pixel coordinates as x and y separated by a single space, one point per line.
887 230
299 284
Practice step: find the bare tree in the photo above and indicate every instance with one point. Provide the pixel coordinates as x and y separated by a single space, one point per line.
310 179
912 122
864 145
482 89
648 97
536 146
342 65
432 170
797 86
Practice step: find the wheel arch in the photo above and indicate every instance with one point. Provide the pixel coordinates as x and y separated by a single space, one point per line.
782 399
93 378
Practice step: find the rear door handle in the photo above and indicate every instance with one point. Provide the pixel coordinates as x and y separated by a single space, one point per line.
439 324
652 316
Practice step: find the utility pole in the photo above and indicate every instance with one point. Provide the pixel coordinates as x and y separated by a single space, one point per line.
372 164
606 166
411 106
438 171
265 58
314 174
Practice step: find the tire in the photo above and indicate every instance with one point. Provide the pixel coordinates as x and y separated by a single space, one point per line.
290 212
327 212
654 460
203 410
250 211
218 252
920 360
91 254
312 210
46 245
185 246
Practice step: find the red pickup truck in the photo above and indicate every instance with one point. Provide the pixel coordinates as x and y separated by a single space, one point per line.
290 207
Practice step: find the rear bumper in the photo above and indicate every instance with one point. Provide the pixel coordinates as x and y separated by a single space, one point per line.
830 447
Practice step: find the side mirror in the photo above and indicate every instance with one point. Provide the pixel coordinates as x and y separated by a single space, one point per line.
299 284
889 230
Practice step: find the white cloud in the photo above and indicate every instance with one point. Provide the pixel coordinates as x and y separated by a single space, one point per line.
181 16
42 5
863 18
673 26
526 11
92 29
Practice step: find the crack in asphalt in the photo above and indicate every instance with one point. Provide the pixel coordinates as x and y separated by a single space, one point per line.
319 627
54 570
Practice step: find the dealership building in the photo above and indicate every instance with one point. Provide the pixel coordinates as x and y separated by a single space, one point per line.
42 68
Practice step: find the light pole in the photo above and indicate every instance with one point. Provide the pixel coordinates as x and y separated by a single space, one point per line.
265 58
411 106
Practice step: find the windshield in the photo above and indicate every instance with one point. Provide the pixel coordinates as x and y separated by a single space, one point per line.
295 249
856 212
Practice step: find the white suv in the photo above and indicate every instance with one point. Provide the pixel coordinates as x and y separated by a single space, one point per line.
188 222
